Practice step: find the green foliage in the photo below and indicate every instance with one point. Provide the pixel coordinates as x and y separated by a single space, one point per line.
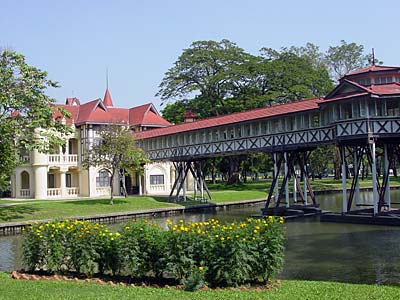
195 279
78 246
347 57
26 112
222 254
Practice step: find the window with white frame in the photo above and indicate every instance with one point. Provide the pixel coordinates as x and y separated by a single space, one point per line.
156 179
103 178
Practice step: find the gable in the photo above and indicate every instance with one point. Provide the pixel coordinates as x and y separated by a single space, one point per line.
346 88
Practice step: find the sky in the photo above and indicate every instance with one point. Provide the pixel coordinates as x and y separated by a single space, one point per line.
138 41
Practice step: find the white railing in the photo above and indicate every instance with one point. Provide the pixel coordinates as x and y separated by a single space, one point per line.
24 193
25 159
73 191
56 159
103 191
157 187
54 192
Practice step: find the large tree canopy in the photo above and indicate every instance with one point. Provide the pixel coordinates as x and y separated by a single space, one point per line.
216 78
26 112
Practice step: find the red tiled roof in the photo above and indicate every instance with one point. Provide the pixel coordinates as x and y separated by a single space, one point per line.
107 99
385 89
373 68
146 114
98 112
254 114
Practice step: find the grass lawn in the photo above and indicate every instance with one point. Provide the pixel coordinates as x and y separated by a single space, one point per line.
39 210
19 289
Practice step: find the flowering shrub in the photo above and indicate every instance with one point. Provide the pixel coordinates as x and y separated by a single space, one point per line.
221 254
78 246
232 253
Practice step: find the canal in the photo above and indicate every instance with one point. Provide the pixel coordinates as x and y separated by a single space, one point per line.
314 251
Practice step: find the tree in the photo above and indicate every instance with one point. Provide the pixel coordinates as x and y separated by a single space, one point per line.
347 57
116 152
26 112
205 70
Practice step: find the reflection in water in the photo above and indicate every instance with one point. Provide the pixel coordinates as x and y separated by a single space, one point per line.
314 251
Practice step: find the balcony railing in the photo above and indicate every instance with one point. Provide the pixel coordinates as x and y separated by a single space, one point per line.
73 191
63 159
54 192
103 191
157 187
25 159
25 193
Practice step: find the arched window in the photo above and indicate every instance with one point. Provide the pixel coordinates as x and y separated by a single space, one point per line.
103 178
25 180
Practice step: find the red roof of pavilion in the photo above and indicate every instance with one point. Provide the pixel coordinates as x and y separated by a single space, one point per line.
373 68
238 117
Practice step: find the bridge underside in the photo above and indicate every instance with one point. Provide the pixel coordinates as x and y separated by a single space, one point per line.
291 191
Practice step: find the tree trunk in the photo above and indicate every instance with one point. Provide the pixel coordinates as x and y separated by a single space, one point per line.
112 188
122 176
234 165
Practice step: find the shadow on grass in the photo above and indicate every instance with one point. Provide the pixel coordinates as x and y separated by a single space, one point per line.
189 202
259 185
97 201
16 212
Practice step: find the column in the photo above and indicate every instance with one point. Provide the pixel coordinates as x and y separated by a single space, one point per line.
356 169
40 174
63 185
287 181
140 184
374 183
344 187
386 167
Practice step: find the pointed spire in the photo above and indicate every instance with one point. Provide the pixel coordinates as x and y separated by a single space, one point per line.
107 99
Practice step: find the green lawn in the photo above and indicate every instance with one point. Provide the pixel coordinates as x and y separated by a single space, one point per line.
19 289
61 209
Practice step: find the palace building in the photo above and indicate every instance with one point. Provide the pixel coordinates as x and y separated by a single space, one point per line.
60 174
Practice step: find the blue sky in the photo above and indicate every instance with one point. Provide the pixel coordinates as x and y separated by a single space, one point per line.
138 41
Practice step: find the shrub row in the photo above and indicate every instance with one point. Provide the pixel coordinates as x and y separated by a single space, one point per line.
221 254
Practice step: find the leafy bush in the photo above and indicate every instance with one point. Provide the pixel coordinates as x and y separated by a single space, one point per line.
193 253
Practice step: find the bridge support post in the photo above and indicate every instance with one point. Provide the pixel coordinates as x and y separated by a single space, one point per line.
356 174
344 188
374 178
294 185
184 182
304 162
276 175
386 176
287 179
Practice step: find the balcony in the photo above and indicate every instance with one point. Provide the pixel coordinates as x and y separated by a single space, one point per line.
25 159
72 191
54 192
24 193
63 159
103 191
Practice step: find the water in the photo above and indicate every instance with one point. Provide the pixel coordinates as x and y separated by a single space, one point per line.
314 251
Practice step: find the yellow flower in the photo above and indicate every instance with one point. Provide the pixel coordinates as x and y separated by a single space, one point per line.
281 220
255 231
222 239
217 236
201 268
